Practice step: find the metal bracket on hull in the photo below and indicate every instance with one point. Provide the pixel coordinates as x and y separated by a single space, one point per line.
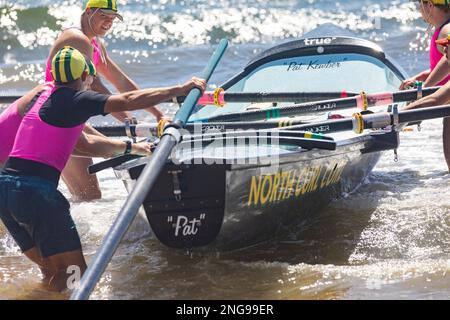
176 184
128 129
382 142
395 128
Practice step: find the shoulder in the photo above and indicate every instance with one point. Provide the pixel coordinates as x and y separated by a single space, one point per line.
33 92
445 31
89 97
89 94
75 38
66 98
25 100
63 95
73 34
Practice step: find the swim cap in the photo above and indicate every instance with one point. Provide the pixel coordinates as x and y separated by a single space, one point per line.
106 6
68 65
91 68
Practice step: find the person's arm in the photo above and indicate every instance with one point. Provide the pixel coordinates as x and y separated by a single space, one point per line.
24 101
88 129
418 77
140 99
440 97
441 71
98 86
86 104
89 145
114 74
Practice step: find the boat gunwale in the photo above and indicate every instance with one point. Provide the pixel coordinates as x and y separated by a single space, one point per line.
298 155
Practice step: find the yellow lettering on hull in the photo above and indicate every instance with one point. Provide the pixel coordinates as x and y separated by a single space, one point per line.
280 186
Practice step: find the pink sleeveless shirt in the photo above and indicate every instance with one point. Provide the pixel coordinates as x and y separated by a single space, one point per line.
10 120
9 123
42 142
435 55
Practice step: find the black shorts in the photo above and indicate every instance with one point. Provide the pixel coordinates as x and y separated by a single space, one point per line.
37 215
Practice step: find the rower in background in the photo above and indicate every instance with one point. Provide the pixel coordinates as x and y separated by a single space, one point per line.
96 20
440 97
35 213
437 14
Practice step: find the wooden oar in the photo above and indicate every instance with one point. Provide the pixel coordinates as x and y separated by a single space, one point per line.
243 120
317 140
361 101
150 130
303 139
230 140
144 184
359 123
221 98
228 97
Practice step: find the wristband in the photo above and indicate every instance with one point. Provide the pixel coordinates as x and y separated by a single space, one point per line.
128 147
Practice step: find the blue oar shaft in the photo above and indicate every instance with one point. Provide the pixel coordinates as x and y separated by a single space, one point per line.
124 220
143 186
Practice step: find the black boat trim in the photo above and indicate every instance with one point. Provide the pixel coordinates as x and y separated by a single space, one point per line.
305 143
111 163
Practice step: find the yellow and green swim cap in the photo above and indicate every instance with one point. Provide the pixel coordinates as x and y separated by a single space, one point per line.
437 2
68 65
91 68
107 6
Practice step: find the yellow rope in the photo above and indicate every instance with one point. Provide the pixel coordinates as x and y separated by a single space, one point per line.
217 101
359 122
161 125
365 102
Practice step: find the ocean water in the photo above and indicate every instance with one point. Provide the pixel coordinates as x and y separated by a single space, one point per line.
390 239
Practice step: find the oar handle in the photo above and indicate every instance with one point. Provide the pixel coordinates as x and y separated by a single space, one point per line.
142 130
185 111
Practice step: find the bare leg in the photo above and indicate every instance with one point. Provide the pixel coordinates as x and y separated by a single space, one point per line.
58 265
80 183
446 140
34 255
